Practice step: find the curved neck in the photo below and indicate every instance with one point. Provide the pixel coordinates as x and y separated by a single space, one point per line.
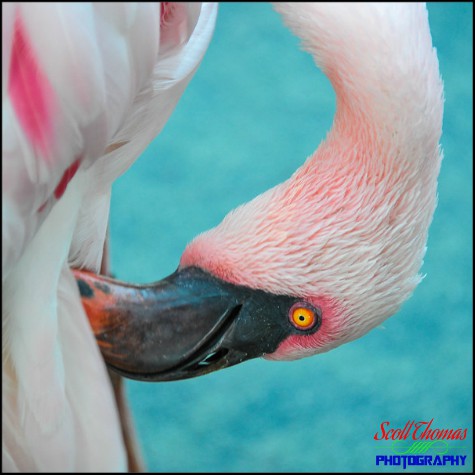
381 63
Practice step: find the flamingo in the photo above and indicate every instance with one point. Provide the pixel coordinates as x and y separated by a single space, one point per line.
313 263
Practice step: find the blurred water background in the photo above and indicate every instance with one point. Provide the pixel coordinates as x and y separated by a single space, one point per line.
256 108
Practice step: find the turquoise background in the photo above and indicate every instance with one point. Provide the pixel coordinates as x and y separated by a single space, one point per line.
255 110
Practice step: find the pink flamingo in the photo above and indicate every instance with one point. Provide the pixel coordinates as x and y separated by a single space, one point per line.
315 262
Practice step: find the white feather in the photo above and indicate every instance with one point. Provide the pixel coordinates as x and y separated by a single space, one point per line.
108 76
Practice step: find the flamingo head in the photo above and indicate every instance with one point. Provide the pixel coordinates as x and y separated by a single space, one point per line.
341 242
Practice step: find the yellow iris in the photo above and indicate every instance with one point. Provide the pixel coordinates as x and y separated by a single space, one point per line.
303 317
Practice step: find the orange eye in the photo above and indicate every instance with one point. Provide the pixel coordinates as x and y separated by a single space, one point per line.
303 317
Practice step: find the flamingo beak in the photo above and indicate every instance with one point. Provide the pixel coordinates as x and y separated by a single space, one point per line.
186 325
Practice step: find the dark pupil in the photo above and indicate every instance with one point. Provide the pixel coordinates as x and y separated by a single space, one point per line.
301 318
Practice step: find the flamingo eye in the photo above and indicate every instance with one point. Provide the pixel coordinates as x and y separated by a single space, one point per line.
303 316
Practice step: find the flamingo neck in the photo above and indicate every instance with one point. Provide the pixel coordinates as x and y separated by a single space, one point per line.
350 226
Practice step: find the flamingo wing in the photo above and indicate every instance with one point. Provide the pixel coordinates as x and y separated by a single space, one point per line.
85 88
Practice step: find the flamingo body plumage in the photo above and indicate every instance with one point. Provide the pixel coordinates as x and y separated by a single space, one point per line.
342 240
85 89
